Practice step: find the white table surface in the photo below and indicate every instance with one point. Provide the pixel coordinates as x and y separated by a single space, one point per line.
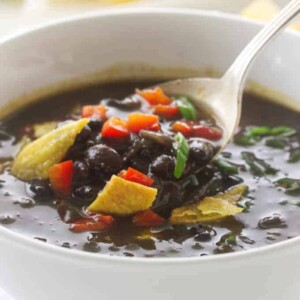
23 14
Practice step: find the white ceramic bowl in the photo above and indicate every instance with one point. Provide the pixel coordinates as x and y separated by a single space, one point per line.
75 48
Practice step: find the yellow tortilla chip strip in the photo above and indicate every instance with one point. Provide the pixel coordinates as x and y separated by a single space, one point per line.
35 159
123 197
210 209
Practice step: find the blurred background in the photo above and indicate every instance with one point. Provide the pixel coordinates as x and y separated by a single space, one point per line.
20 14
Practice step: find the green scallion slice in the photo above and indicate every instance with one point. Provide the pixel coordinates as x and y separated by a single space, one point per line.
182 149
187 109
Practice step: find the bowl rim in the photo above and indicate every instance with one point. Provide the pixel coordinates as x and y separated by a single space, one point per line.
26 242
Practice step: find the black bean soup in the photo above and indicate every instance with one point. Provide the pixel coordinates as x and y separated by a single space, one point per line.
128 176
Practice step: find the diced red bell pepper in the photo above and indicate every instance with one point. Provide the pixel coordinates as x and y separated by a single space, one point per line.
155 96
61 176
182 127
94 223
97 111
139 121
115 128
209 133
136 176
147 219
166 111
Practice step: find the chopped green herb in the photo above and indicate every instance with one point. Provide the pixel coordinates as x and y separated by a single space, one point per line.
271 131
283 131
227 240
258 167
258 131
246 205
182 149
294 156
291 202
276 143
252 135
194 180
291 186
284 202
231 239
225 167
187 109
244 140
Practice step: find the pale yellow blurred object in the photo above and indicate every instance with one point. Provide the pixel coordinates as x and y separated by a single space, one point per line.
264 10
100 2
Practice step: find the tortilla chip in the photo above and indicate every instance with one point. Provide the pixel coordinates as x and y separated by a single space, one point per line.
122 197
210 209
35 159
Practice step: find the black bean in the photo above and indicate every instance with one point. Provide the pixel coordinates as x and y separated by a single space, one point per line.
77 151
95 125
163 166
201 152
275 221
140 164
203 236
86 193
125 104
103 159
66 245
7 219
246 240
25 203
68 214
120 146
135 147
90 143
113 248
197 246
91 247
170 195
40 239
40 190
128 254
132 247
81 172
84 135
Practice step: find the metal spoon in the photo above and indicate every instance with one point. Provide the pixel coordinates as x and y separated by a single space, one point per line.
222 97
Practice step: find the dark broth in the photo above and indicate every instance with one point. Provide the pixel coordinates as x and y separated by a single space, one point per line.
270 214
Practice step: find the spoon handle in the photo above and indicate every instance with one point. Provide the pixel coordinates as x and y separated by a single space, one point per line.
243 62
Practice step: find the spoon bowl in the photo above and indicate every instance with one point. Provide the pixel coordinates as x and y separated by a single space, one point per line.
222 98
214 96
